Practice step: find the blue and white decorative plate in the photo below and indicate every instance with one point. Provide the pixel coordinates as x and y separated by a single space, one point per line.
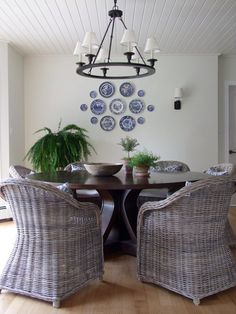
141 120
150 107
98 106
127 123
94 120
93 94
107 123
106 89
117 106
141 93
126 89
83 107
136 105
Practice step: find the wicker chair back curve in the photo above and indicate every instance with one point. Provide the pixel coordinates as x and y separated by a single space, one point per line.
19 172
182 243
58 248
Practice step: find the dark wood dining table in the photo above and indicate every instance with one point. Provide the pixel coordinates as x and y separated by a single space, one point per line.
119 195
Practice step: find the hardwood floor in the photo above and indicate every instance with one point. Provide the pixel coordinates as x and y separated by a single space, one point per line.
119 293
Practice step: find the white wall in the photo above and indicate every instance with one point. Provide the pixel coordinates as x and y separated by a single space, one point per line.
16 106
53 90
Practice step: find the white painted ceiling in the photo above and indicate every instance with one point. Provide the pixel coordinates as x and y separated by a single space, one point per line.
52 27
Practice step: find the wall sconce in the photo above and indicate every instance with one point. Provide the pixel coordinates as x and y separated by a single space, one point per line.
178 97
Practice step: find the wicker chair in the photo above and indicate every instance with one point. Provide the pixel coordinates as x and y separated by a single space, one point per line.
160 194
84 195
229 170
58 248
181 240
18 172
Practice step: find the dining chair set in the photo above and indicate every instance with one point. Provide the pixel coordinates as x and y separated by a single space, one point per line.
181 240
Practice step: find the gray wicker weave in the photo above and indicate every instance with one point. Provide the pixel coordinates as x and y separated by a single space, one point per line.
160 194
218 170
181 240
18 172
58 248
84 195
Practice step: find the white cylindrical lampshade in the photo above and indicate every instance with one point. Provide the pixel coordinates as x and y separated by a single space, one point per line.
79 50
151 45
90 41
128 39
178 92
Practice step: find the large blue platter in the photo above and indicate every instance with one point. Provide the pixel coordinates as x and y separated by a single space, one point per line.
126 89
107 123
98 106
106 89
117 106
127 123
136 106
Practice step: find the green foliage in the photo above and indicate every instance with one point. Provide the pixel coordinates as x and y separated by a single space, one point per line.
143 159
56 150
128 144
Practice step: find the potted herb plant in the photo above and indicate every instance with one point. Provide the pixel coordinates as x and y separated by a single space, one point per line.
55 150
142 161
128 144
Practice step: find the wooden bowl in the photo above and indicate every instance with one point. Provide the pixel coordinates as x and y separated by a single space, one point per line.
102 169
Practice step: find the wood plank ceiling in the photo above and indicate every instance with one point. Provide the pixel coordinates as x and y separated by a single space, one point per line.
52 27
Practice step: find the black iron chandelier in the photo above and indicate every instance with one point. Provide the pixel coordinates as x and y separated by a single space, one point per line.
99 63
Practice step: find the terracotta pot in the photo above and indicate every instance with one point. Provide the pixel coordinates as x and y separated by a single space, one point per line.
141 171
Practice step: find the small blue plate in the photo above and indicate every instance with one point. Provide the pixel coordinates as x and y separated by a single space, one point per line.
141 93
127 123
98 106
107 123
94 120
93 94
141 120
150 108
83 107
126 89
106 89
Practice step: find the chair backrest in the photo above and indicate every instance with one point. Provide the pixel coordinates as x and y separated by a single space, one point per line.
42 207
221 169
19 172
170 166
201 207
75 166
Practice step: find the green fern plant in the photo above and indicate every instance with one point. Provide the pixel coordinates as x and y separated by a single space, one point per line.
143 159
55 150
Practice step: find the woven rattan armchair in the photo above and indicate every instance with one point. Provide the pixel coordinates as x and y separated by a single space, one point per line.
223 169
18 172
83 195
58 248
160 194
181 240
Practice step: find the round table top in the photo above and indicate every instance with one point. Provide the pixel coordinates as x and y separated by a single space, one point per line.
120 181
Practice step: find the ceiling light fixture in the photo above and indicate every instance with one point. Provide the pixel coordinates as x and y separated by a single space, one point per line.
100 65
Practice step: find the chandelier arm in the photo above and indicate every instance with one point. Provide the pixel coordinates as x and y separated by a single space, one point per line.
111 38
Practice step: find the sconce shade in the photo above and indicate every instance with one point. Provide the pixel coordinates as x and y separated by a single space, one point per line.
178 92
